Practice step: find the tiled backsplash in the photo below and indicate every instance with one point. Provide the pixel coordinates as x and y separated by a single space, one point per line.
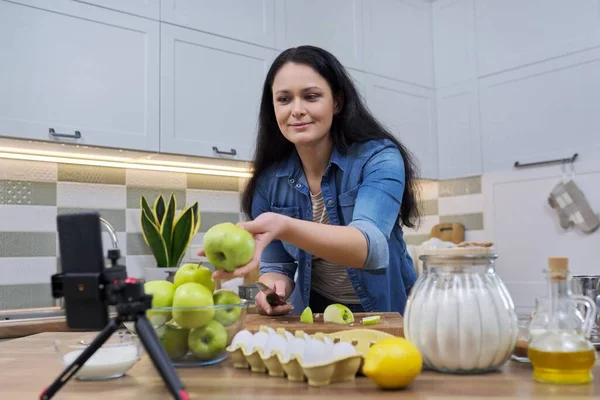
32 194
458 200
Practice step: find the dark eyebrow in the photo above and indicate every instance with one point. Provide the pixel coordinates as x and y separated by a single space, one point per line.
304 90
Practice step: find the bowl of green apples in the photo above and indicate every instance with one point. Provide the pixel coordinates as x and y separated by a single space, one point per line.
194 322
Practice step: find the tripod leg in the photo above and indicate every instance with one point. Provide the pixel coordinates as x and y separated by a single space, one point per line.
160 358
68 372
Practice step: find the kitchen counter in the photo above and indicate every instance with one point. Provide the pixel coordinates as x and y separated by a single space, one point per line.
29 364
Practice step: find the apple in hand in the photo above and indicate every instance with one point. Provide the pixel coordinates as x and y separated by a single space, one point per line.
162 296
194 273
338 314
228 246
208 341
192 294
174 339
227 316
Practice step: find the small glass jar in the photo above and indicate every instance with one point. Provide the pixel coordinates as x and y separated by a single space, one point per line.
459 313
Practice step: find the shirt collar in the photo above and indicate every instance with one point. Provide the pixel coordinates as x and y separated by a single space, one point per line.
291 166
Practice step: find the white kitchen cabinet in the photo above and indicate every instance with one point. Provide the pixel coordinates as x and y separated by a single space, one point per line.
409 112
398 40
454 42
250 21
359 79
526 231
210 93
459 142
143 8
81 71
541 112
335 25
516 33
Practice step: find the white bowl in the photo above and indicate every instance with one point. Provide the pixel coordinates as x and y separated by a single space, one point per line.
112 360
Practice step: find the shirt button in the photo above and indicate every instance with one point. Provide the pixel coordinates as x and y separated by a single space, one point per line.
292 180
307 264
329 202
359 287
298 185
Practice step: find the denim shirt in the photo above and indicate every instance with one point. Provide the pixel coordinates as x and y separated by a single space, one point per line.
362 188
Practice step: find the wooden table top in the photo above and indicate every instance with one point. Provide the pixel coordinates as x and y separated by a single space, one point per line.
29 364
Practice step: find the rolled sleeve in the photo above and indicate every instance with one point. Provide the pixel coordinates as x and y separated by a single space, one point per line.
378 255
285 268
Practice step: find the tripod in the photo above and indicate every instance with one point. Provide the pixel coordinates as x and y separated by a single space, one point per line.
127 294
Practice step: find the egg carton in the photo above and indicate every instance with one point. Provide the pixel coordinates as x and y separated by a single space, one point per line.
320 358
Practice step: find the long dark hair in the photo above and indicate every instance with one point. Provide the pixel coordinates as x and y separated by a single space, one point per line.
353 123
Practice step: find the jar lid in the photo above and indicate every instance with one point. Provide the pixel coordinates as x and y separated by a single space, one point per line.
462 252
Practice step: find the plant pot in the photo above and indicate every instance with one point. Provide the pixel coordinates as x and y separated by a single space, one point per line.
158 273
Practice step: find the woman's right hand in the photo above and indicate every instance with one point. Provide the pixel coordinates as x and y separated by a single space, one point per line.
263 306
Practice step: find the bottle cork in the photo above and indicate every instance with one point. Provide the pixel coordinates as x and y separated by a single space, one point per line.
559 267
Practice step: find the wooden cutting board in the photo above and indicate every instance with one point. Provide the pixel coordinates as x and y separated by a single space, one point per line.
391 322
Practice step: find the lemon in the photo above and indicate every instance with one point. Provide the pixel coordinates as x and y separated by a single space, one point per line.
374 320
393 363
306 316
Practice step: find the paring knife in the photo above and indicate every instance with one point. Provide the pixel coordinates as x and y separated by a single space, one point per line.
272 297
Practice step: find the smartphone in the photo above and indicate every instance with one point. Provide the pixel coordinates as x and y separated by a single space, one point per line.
82 262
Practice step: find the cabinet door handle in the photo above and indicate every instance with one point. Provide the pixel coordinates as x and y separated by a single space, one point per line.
232 152
76 135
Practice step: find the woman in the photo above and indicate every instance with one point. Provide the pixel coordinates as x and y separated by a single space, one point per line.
330 189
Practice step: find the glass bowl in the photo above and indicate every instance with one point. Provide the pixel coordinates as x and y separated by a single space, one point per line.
112 360
196 336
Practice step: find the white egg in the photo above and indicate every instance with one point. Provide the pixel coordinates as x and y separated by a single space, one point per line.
343 349
242 339
276 343
259 341
296 348
317 352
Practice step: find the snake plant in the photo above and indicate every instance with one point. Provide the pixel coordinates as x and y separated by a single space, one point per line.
168 235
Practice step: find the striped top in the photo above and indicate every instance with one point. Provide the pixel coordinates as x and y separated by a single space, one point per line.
329 279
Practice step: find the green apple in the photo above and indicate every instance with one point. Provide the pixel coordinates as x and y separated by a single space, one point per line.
194 273
162 296
191 295
208 341
338 314
174 339
227 316
307 316
228 246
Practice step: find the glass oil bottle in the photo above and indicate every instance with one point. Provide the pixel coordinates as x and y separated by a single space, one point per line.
562 354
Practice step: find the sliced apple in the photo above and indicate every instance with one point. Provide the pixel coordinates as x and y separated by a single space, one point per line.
373 320
338 314
306 316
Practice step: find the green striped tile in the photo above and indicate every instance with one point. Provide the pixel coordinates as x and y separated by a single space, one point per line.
429 207
471 222
459 187
27 244
25 296
134 195
28 193
210 182
415 239
122 261
136 245
114 217
91 174
209 219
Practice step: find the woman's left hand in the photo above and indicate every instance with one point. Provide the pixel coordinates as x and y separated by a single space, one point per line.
264 229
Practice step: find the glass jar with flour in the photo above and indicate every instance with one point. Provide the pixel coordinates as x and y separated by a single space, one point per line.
459 312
